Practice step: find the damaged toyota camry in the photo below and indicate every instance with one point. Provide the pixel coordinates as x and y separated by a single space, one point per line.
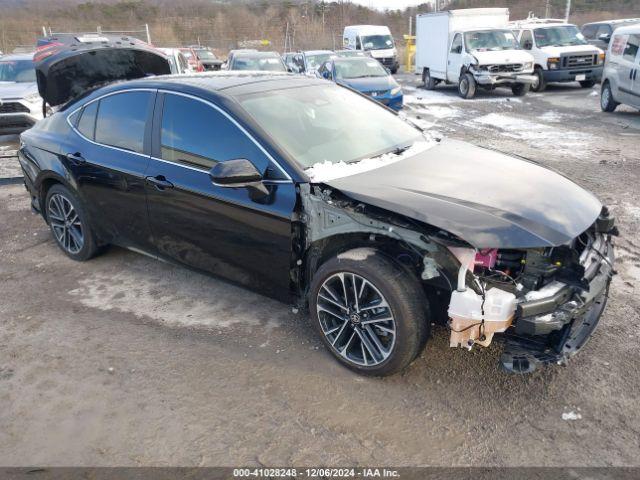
310 193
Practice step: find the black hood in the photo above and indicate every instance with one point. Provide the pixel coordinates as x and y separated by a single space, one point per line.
67 66
487 198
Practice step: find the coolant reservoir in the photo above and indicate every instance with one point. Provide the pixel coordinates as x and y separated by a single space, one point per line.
465 312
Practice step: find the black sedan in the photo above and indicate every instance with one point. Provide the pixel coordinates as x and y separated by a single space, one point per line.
308 192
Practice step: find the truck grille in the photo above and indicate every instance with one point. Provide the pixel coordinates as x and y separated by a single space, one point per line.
13 107
577 61
507 68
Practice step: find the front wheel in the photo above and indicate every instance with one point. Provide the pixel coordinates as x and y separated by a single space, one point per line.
467 86
538 84
587 83
369 311
520 89
607 102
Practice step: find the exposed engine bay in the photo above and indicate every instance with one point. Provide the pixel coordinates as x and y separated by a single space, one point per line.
543 302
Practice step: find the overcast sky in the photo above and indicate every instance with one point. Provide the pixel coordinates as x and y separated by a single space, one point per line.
390 4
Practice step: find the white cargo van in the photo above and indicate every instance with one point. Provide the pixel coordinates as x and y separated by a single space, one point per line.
471 47
561 52
620 81
374 39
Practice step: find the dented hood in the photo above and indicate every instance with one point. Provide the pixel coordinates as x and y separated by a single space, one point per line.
67 66
487 198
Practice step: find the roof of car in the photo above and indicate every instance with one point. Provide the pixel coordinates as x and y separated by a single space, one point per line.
316 52
614 22
257 54
630 29
17 56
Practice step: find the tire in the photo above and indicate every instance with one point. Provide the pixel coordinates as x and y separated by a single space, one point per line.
587 83
539 85
394 70
69 224
348 330
520 89
428 80
607 102
467 86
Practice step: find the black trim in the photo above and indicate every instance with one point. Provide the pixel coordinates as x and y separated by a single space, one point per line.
625 90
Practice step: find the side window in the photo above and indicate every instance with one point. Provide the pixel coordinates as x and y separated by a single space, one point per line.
603 29
631 48
589 31
526 40
196 134
122 119
617 45
456 45
87 122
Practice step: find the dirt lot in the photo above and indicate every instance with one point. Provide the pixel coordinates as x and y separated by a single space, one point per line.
128 361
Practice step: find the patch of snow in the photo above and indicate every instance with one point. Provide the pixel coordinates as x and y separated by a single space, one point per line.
595 93
438 111
430 97
571 415
325 171
551 116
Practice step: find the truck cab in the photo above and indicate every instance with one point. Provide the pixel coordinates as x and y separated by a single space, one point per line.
376 40
561 52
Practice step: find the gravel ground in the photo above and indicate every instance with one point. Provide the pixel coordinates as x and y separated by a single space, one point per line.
128 361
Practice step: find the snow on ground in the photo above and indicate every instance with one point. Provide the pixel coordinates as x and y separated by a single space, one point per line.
429 97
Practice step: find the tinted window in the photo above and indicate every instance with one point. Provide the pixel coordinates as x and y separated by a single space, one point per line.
603 29
631 48
87 122
526 40
589 31
456 45
196 134
122 119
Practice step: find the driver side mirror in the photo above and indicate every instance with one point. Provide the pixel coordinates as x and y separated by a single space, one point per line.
605 37
528 45
239 173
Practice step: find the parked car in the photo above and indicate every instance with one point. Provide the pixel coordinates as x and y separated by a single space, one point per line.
208 59
560 51
473 48
192 57
599 34
179 63
257 61
374 39
620 81
20 102
306 62
352 53
365 75
311 193
232 53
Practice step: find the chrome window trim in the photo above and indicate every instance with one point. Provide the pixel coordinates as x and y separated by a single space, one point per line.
240 127
70 114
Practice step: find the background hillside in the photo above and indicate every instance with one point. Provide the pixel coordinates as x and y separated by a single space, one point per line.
229 24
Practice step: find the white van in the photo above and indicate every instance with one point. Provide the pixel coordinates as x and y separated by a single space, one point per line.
561 52
473 48
374 39
620 80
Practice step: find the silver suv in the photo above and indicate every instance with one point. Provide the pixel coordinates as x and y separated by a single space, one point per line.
620 79
20 102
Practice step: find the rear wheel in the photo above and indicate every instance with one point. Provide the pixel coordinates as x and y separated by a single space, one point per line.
467 86
369 311
538 84
587 83
428 80
520 89
69 224
607 102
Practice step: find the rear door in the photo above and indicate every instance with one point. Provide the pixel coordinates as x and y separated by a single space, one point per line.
109 162
227 231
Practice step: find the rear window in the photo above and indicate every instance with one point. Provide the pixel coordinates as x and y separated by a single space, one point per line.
122 120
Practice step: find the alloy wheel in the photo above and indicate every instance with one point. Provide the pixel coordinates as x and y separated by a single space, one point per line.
65 223
356 319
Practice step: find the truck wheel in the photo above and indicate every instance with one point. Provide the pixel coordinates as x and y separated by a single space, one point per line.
467 86
539 84
587 83
394 70
428 80
607 103
370 312
520 89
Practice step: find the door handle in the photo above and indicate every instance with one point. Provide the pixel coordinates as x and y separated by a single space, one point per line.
160 182
635 74
76 158
631 75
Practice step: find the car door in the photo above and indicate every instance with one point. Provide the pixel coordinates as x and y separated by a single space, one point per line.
454 62
635 82
622 62
109 160
237 233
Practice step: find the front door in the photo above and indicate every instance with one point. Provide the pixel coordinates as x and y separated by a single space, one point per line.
109 159
231 232
454 62
623 62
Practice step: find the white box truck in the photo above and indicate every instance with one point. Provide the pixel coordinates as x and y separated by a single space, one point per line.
472 48
374 39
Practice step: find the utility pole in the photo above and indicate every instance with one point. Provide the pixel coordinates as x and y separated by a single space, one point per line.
568 11
547 9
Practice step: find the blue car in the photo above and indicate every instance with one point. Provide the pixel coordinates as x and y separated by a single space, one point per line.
366 76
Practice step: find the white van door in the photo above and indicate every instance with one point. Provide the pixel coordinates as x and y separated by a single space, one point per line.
624 60
454 61
635 78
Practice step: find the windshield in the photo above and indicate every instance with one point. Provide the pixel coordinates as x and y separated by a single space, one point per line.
490 40
328 123
270 64
377 42
206 55
559 36
359 69
314 61
21 71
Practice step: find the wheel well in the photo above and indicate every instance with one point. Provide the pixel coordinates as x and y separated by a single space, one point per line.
45 186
